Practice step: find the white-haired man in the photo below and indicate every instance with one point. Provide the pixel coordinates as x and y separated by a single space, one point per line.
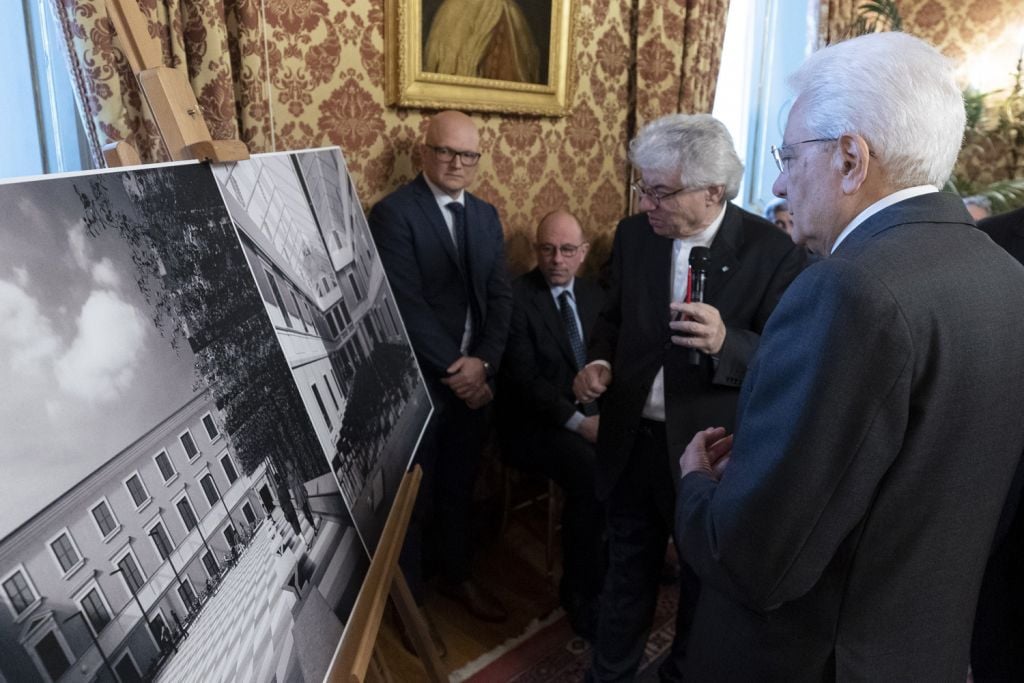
845 536
655 394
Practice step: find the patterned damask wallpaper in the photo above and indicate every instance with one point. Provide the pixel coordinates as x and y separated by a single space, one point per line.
327 73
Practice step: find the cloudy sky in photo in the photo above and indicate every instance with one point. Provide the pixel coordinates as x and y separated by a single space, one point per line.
83 369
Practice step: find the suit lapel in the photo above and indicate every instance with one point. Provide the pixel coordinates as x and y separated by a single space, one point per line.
586 306
435 220
723 252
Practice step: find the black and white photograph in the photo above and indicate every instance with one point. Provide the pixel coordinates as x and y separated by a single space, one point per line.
306 239
167 511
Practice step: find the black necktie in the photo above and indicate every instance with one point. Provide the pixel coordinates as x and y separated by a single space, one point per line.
462 247
575 341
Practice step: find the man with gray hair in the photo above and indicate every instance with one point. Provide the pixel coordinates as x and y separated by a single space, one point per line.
663 367
841 534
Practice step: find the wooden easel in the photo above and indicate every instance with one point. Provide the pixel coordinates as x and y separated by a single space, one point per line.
186 136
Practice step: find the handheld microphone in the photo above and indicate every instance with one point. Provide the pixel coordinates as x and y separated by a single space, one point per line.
700 264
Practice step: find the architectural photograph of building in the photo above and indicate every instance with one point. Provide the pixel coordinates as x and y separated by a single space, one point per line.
306 239
166 510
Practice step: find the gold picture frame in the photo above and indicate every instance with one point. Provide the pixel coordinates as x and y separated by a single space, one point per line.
487 55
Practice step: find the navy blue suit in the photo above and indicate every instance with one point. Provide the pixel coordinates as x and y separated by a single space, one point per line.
424 271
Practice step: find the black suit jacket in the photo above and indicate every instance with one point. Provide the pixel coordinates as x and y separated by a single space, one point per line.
1006 230
539 366
878 431
752 263
419 257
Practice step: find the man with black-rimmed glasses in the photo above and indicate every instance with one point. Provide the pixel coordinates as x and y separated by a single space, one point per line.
443 251
663 368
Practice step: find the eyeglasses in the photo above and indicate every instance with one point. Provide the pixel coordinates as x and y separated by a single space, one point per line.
566 250
446 154
783 162
655 196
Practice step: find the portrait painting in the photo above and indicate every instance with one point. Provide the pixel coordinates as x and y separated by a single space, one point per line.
480 55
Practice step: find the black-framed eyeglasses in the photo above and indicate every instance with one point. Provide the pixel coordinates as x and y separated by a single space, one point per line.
655 196
782 162
566 250
446 154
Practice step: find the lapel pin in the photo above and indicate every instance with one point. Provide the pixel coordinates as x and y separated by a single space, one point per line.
725 268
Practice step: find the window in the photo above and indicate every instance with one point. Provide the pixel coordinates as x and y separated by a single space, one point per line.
161 541
21 595
187 514
330 391
95 609
354 285
158 627
126 670
230 536
229 468
129 570
331 325
52 655
163 463
277 295
250 516
298 312
210 489
323 410
210 563
104 519
186 593
189 444
211 427
65 552
137 490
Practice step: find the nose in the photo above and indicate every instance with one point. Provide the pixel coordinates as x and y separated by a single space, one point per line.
779 186
651 205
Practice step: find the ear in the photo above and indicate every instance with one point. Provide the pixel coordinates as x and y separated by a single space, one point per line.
715 194
854 161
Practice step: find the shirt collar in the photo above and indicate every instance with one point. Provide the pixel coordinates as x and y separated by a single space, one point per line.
557 290
884 202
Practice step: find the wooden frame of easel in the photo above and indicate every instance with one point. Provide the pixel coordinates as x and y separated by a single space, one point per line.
186 136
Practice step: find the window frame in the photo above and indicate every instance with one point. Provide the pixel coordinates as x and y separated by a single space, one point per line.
145 489
29 608
82 593
37 635
199 452
78 564
128 551
234 468
167 481
92 515
177 499
148 528
213 421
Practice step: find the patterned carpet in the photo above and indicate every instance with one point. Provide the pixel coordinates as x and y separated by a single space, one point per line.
550 652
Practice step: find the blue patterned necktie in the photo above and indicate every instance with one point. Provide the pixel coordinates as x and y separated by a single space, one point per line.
575 341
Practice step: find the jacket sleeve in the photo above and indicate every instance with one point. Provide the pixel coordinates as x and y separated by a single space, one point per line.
605 335
819 425
490 345
393 234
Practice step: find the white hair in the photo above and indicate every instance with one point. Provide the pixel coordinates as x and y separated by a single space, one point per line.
896 91
696 146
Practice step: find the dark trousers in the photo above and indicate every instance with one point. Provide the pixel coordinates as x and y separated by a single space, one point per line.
438 538
567 459
640 522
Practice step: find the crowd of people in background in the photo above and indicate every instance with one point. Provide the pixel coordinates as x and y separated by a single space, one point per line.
820 405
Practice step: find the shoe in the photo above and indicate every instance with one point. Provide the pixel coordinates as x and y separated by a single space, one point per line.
583 615
435 635
475 599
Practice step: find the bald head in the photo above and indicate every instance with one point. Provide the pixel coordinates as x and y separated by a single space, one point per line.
450 136
558 233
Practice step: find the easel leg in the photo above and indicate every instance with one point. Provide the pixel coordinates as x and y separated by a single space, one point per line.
416 626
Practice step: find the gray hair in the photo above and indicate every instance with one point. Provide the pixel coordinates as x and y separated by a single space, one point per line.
696 146
896 91
774 207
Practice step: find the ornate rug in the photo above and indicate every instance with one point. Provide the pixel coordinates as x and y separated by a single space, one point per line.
549 651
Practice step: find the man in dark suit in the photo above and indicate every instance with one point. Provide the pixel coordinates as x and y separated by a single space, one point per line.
997 646
542 427
443 251
654 393
879 425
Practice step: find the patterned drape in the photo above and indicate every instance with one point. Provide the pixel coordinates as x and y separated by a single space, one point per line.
216 43
679 50
835 19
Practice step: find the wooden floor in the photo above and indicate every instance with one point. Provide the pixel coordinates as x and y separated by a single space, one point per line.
511 566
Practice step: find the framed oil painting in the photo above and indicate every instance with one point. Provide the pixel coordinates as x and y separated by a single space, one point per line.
511 56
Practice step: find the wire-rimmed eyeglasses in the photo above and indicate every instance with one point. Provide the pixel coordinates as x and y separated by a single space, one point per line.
566 250
655 196
782 162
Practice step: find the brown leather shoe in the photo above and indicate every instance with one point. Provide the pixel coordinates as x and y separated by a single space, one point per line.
475 599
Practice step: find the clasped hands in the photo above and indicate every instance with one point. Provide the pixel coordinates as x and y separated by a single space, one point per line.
468 379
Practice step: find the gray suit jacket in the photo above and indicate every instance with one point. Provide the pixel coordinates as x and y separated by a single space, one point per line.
878 429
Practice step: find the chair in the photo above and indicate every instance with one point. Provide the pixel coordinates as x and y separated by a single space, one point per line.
532 491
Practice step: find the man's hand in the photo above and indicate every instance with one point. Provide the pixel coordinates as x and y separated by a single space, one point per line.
708 452
479 398
588 428
466 376
591 382
701 324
